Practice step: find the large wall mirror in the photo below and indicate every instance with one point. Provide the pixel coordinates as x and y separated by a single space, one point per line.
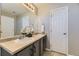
13 18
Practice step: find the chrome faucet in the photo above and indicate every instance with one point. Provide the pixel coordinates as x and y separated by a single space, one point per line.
21 37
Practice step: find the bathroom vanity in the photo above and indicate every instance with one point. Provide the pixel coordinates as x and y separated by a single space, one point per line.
32 46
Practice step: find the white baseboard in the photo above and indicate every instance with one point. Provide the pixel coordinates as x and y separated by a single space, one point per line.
47 49
70 55
57 52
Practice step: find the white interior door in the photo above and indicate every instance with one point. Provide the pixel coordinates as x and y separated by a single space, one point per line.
7 27
59 34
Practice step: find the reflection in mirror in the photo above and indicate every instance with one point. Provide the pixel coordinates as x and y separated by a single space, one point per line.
13 19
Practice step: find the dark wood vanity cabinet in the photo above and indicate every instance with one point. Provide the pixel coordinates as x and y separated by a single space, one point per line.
5 53
41 46
35 49
25 52
44 42
32 50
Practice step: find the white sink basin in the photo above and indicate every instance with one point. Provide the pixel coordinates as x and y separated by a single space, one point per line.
23 41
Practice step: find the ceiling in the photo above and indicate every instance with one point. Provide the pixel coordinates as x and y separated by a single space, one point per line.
14 8
18 9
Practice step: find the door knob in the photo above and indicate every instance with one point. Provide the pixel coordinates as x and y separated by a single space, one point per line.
65 33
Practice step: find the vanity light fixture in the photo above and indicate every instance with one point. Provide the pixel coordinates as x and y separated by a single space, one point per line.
31 7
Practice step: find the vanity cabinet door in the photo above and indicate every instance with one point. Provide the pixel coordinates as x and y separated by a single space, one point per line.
0 51
36 48
41 43
26 52
5 53
44 42
41 46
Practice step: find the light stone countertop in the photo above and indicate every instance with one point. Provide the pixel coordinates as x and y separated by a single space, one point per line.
14 46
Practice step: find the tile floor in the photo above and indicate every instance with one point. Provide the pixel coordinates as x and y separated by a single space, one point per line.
47 53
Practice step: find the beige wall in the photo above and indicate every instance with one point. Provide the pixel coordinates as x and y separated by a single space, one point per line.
74 29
